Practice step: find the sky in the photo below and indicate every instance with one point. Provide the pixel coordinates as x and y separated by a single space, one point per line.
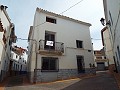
21 13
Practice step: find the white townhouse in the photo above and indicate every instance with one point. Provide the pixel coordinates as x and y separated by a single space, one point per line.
7 37
112 19
19 58
59 47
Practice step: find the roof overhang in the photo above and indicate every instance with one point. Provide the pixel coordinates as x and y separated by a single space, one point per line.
63 17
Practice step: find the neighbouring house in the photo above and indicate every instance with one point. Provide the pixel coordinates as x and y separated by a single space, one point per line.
19 58
106 41
59 47
112 19
7 37
101 62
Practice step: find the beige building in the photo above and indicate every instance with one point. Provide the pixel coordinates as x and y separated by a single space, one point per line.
106 41
59 47
6 39
101 61
112 19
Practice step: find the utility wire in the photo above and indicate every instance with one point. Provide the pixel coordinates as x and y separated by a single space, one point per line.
95 39
71 7
62 12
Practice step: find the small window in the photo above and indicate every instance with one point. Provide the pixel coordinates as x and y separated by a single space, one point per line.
98 57
79 44
16 56
105 57
51 20
49 64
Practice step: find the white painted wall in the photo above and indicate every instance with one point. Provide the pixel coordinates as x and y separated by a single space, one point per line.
115 15
108 46
67 32
6 25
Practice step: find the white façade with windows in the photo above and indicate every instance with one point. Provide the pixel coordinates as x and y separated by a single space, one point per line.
112 14
7 30
19 65
59 47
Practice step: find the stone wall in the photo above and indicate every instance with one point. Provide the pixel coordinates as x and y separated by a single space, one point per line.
67 73
60 75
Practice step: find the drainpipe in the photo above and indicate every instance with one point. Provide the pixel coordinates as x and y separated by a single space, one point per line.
36 64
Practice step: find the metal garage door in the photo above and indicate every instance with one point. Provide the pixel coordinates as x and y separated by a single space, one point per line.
100 66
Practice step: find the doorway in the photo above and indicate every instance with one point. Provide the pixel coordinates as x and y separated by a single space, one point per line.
80 64
49 41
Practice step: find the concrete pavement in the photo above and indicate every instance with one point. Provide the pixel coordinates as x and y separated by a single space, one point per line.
102 81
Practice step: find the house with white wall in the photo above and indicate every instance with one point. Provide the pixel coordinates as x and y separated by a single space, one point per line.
59 47
106 41
19 58
112 19
7 37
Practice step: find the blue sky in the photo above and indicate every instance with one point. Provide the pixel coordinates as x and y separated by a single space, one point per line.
22 13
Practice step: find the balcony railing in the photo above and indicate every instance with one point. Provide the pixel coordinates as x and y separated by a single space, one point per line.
51 47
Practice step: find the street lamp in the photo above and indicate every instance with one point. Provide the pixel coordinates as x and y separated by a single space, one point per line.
102 20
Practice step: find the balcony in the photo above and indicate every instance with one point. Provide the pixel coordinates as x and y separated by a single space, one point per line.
51 48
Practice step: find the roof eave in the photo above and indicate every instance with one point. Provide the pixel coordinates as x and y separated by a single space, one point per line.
61 16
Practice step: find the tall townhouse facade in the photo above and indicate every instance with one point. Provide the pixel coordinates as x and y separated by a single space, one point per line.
59 47
7 34
112 18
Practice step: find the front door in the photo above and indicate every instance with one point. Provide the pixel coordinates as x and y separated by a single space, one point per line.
80 64
49 41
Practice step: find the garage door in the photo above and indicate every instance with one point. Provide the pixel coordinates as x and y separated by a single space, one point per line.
100 66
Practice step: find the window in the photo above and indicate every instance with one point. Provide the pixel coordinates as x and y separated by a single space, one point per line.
51 20
19 57
49 64
79 44
105 57
98 57
16 56
49 36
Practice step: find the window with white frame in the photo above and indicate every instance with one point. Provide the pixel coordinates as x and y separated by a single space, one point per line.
79 44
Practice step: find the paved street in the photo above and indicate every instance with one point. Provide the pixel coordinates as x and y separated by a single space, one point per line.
103 81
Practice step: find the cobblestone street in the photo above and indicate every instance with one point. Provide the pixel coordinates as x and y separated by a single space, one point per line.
102 81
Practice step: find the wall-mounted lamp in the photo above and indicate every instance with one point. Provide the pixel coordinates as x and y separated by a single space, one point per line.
102 20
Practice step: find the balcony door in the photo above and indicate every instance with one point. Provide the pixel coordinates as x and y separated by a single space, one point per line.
49 41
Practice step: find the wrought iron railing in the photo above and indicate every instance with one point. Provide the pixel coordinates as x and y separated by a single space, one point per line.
51 46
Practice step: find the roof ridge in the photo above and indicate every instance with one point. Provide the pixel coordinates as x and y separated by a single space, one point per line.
62 16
